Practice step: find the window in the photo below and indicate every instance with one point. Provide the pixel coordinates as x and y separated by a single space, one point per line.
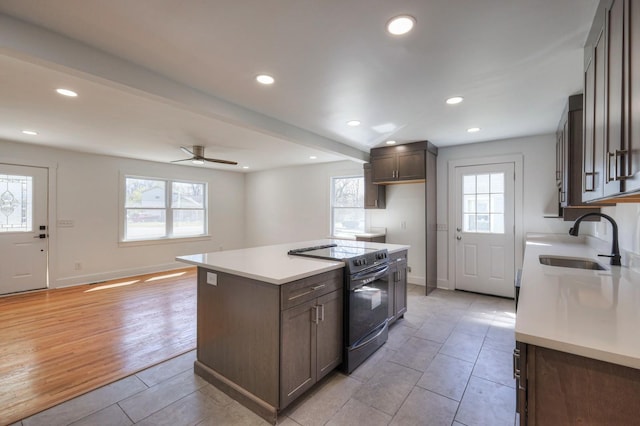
483 203
160 208
16 203
347 206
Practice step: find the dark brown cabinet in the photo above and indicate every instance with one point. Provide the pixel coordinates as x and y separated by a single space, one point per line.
559 388
408 163
311 342
401 163
594 121
611 116
266 344
569 161
631 109
397 285
374 195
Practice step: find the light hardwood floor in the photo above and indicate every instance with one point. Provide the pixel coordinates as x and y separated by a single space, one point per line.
58 344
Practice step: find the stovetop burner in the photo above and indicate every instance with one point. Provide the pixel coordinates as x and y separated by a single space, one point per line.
356 258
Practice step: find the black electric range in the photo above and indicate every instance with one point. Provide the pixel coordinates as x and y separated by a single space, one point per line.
366 297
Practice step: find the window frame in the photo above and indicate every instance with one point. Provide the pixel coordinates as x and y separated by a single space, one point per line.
333 208
168 210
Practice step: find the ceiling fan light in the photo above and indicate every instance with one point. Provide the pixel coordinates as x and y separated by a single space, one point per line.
197 161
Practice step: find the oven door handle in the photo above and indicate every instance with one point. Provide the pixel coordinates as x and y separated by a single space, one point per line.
371 274
382 328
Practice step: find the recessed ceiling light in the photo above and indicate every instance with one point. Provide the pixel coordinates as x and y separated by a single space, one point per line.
30 132
313 157
67 92
473 129
245 167
265 79
353 123
455 100
391 142
401 24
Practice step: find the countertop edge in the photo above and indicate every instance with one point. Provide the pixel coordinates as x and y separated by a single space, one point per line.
329 267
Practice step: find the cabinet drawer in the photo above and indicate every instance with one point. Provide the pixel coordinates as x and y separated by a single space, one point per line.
297 292
398 256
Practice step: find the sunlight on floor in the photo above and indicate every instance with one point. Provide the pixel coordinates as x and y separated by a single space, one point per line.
106 286
162 277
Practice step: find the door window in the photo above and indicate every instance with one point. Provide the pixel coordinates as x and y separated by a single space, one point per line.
16 203
483 203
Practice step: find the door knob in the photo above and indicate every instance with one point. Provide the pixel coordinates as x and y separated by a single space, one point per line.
458 229
458 238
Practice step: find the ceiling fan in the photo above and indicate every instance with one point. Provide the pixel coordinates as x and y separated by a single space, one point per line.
197 156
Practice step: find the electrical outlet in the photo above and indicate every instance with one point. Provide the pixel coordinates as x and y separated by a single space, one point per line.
212 278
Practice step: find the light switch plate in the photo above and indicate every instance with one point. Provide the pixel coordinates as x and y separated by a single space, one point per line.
212 278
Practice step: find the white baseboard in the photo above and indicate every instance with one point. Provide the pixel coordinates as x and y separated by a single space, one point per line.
115 275
412 279
444 284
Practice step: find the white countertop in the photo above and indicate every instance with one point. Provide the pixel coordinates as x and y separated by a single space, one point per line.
272 264
595 314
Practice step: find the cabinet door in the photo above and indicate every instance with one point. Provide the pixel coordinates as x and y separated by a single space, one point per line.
400 296
594 137
383 168
298 356
632 104
329 338
374 195
392 290
614 158
411 165
561 170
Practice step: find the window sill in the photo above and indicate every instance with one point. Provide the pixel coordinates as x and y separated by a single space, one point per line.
161 241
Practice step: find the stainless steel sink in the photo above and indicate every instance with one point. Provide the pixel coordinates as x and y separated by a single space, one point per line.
571 262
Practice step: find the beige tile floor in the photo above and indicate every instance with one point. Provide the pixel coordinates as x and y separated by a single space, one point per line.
448 362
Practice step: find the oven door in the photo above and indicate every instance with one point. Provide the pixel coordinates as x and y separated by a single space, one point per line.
368 302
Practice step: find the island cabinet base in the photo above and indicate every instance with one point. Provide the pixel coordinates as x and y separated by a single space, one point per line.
559 388
265 344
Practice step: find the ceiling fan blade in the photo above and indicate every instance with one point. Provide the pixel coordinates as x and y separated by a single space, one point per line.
186 151
186 159
215 160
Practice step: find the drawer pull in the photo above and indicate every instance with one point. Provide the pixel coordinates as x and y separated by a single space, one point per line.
314 288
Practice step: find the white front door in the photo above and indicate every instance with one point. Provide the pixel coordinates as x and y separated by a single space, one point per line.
23 223
485 234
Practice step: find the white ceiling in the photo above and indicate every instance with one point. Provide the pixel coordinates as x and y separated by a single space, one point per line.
157 74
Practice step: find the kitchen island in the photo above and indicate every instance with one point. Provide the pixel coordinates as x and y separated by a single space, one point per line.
577 357
270 325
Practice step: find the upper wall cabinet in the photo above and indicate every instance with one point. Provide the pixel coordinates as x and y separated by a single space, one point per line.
399 164
569 161
611 160
374 195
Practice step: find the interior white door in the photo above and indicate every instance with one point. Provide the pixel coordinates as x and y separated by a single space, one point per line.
23 228
485 232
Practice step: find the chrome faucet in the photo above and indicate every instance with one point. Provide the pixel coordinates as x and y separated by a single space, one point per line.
615 250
